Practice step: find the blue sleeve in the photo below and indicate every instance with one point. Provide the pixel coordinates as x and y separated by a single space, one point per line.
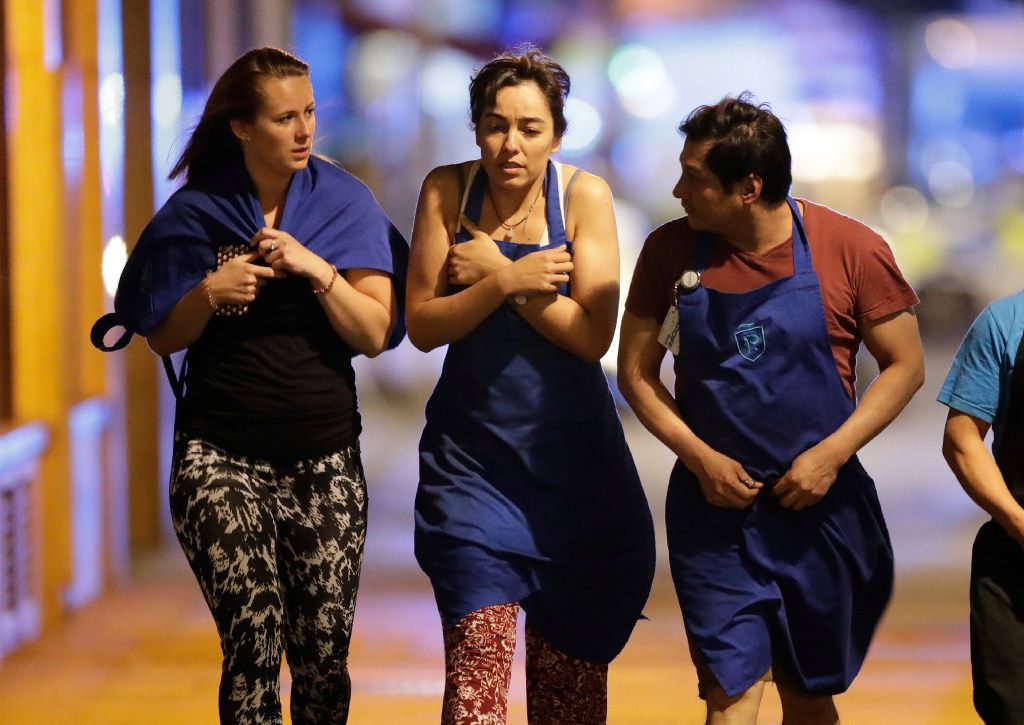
975 379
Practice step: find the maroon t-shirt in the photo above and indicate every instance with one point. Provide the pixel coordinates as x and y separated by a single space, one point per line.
857 274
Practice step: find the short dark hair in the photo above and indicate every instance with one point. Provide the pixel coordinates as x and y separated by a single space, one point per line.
513 67
235 95
749 139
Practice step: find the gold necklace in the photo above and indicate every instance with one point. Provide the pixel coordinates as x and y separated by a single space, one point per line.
510 228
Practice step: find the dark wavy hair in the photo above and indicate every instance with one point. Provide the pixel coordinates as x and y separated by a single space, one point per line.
513 67
749 139
235 95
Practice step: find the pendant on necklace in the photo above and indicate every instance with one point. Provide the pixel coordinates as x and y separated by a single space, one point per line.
508 235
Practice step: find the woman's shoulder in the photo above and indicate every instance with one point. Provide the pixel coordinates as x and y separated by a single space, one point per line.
325 168
187 203
448 176
446 184
581 186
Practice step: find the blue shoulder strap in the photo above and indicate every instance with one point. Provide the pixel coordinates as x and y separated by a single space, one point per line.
474 202
553 202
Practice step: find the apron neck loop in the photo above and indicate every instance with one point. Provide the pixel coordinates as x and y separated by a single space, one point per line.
801 251
474 202
553 207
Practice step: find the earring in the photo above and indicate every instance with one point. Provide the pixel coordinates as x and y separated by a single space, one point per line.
245 138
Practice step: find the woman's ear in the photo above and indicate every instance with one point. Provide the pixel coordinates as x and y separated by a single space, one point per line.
240 128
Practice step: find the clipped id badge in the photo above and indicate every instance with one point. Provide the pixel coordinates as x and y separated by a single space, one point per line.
668 336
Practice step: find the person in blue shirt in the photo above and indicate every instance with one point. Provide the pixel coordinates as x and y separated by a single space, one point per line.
985 389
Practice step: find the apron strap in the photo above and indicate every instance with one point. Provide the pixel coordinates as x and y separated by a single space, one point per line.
177 381
801 252
705 243
553 202
472 201
105 324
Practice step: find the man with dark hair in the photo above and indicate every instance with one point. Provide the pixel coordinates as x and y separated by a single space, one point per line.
779 552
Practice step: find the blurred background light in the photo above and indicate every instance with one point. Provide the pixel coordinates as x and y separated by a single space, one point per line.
53 32
111 99
383 58
638 75
834 150
903 209
951 183
535 21
1012 149
391 12
167 99
115 254
584 127
1010 234
632 226
459 18
444 77
951 43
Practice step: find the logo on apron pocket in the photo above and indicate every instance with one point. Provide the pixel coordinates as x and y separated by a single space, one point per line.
750 340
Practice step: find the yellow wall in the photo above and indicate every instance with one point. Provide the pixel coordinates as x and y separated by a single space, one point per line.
41 280
142 397
84 228
55 254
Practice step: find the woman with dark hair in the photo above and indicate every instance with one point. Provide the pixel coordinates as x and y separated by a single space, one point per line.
273 268
528 494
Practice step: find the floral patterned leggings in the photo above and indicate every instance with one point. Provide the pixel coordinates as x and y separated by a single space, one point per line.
277 550
560 690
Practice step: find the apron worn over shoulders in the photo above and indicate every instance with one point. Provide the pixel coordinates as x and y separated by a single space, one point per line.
997 583
528 491
803 590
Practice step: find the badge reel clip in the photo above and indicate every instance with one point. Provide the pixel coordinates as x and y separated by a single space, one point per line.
688 282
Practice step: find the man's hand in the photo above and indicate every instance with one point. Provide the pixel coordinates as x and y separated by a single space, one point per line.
724 482
809 478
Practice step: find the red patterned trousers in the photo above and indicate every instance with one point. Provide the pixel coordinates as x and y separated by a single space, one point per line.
560 690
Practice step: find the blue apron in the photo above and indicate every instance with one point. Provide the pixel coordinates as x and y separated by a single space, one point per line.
801 589
528 491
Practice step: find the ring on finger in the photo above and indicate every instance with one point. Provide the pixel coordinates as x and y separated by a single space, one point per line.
273 245
747 482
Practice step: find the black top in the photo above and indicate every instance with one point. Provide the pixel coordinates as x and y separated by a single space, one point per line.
1010 454
274 383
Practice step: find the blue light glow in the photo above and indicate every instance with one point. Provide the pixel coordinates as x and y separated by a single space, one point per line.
443 79
167 99
53 31
584 127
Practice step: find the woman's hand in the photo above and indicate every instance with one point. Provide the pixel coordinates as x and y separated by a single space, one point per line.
724 482
472 260
287 255
238 280
537 273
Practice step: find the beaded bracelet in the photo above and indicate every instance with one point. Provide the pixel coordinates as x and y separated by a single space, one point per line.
324 290
209 292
